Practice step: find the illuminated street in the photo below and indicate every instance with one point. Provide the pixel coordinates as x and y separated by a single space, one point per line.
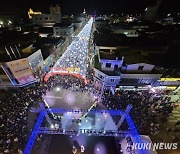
89 77
75 58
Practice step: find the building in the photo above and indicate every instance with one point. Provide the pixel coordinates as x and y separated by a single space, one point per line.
21 71
119 64
101 23
51 48
127 32
48 19
55 9
137 69
77 24
63 29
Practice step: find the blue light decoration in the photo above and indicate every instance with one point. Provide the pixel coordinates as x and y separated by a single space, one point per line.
34 133
44 130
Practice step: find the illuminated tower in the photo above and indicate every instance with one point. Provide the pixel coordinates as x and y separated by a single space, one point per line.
55 9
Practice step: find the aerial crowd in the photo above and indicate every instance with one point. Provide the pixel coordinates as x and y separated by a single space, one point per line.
148 109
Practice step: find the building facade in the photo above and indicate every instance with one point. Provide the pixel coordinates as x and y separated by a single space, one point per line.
48 19
63 29
22 71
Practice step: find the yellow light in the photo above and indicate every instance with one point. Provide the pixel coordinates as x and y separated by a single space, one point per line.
170 79
171 87
31 12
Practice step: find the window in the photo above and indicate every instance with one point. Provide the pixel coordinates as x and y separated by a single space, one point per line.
140 67
46 18
112 80
108 65
115 66
100 76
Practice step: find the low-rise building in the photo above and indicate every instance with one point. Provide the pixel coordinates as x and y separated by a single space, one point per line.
52 49
127 32
63 29
101 23
48 19
20 71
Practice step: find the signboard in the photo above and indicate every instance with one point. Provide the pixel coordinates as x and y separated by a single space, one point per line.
21 70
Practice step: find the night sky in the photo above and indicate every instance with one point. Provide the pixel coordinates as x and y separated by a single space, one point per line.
74 6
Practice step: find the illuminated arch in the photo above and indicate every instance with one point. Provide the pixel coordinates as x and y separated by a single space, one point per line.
47 76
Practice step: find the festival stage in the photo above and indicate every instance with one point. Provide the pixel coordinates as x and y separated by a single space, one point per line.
61 144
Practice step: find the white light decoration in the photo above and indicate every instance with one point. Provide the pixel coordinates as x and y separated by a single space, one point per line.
58 89
76 54
9 22
52 126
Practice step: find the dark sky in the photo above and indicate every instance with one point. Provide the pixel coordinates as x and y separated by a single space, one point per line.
74 6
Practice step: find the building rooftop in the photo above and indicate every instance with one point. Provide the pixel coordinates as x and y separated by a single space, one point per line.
97 65
136 57
111 40
101 20
48 41
46 44
6 58
109 56
16 37
45 30
63 24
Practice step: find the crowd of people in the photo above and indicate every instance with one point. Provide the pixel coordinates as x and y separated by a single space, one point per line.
72 83
14 108
148 108
15 104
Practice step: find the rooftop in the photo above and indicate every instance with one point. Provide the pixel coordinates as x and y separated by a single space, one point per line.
9 37
111 40
48 41
97 65
46 45
109 56
46 30
6 58
63 24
